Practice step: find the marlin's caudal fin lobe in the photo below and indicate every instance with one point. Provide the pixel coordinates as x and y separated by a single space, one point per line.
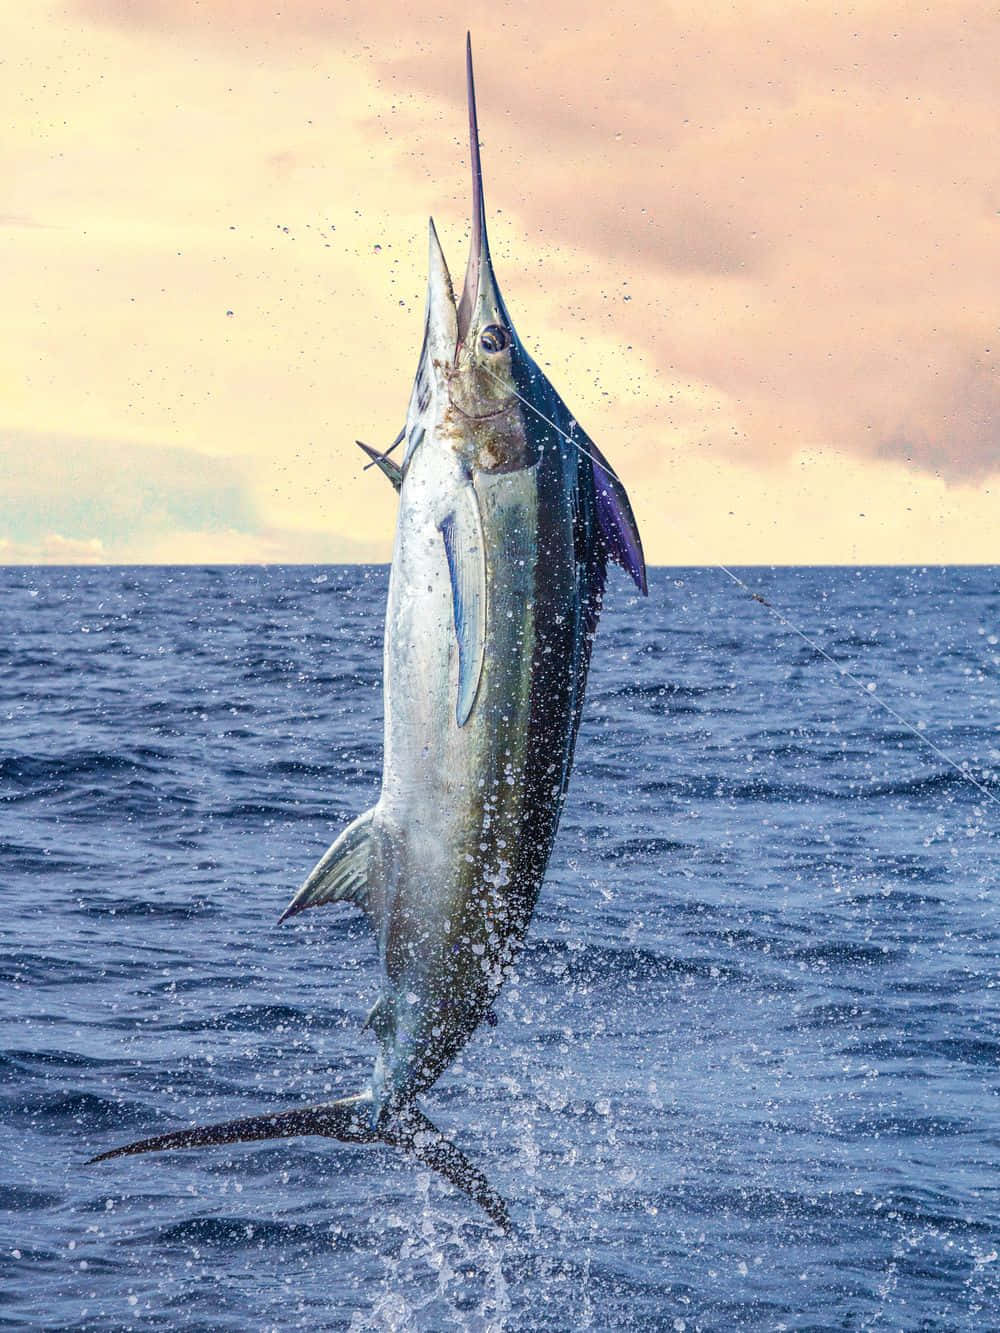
350 1121
346 1119
415 1134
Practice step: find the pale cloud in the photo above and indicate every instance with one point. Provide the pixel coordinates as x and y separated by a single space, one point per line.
955 416
125 491
52 548
261 546
65 499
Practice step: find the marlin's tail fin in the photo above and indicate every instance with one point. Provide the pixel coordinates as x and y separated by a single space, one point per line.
413 1132
349 1120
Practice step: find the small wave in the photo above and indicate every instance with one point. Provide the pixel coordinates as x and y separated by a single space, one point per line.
138 799
24 859
716 787
62 1109
268 1018
841 1015
42 969
36 770
291 812
909 1127
980 1052
235 1233
898 898
662 689
643 848
593 965
840 953
30 1062
20 1199
187 908
929 784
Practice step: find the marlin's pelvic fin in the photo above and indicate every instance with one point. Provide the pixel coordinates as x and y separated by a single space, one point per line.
350 1121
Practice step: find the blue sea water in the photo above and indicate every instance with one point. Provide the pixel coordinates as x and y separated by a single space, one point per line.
748 1074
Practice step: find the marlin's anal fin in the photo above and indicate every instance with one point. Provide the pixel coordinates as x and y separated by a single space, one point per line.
462 532
342 874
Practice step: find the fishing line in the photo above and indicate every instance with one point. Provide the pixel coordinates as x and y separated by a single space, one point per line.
842 671
866 690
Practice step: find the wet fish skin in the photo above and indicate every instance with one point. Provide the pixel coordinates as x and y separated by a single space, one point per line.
508 516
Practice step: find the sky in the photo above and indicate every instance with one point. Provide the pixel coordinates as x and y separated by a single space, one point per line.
755 248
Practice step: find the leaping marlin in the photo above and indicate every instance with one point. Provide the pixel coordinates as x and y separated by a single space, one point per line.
508 515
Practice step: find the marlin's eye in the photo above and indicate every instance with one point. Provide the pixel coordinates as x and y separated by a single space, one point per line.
493 338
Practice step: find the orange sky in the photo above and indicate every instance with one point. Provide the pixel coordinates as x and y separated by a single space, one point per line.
755 247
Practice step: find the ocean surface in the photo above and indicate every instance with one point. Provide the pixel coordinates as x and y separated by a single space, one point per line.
748 1074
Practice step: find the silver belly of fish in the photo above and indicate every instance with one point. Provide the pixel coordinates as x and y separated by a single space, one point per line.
447 828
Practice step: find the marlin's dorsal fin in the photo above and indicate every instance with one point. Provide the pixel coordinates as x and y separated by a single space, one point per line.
342 874
619 530
462 531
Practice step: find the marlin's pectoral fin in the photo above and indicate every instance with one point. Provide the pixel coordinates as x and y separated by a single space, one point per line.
615 519
383 462
462 531
341 874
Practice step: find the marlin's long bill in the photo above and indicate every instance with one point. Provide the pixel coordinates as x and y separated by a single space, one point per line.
350 1121
479 263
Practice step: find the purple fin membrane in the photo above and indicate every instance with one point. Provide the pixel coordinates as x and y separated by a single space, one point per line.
616 521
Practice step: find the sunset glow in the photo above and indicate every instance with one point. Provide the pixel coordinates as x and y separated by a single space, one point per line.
755 248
